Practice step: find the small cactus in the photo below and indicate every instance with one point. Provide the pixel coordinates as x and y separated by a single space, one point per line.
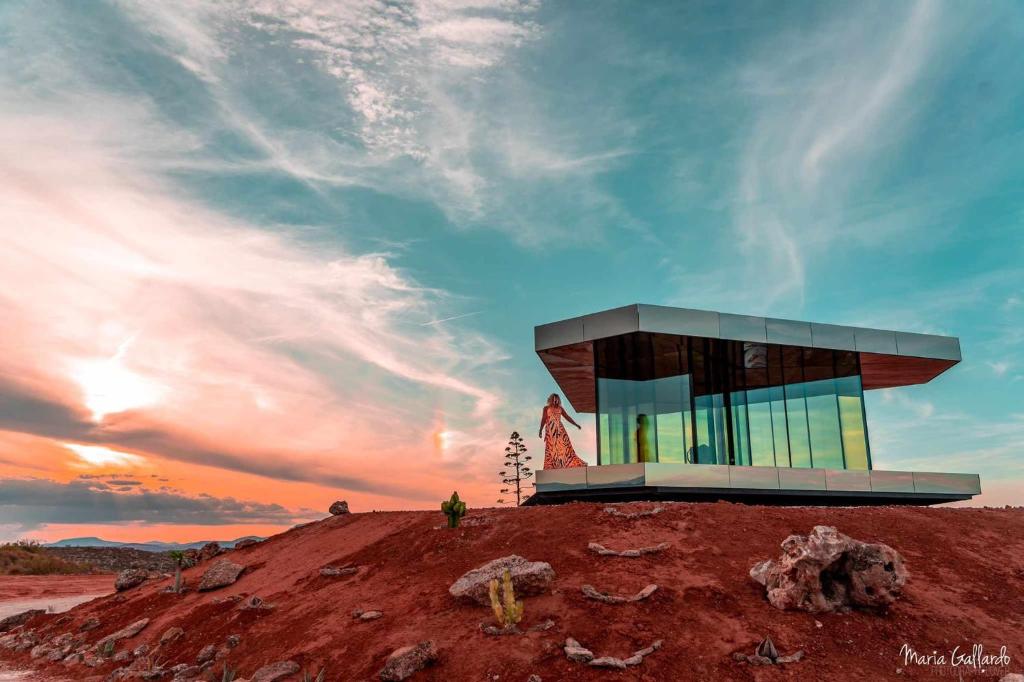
228 675
454 509
507 611
308 677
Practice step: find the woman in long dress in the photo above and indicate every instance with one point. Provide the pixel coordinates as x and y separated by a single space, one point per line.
558 450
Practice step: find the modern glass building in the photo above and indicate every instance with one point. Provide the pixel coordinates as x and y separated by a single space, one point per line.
693 403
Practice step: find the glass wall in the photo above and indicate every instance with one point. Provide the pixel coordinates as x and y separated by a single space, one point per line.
665 398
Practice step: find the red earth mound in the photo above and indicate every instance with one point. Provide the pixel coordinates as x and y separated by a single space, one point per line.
966 587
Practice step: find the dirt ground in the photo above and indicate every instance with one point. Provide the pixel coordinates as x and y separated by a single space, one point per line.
966 587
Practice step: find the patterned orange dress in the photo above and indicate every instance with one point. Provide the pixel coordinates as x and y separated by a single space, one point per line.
558 450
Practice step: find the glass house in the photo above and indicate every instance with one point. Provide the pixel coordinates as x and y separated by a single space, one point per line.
693 403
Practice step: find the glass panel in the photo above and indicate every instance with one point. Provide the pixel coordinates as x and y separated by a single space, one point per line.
644 421
823 422
779 432
740 437
759 419
851 417
672 418
710 430
796 423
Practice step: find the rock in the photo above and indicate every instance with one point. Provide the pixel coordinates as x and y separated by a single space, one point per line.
1012 677
171 635
209 551
797 655
591 593
221 574
828 571
528 578
534 678
608 662
233 640
630 553
633 515
333 571
275 671
184 672
129 578
402 663
122 656
207 653
257 603
246 542
370 615
89 624
124 633
338 508
11 622
574 651
543 627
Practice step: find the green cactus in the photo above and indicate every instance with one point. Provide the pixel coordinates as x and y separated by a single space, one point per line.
507 611
454 509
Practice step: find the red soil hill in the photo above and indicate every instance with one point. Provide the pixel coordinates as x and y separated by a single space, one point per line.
966 587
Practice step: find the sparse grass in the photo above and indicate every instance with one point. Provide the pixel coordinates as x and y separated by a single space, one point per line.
27 557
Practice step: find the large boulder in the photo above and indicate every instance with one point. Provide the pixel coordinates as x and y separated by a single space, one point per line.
129 578
221 574
208 551
338 508
829 571
528 578
402 663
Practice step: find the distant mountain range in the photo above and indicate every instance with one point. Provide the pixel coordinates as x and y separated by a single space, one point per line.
152 546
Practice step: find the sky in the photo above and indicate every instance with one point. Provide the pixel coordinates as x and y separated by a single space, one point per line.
259 256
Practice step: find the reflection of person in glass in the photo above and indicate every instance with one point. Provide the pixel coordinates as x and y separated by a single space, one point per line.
558 450
643 438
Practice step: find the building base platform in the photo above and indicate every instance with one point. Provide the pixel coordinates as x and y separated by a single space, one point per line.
750 485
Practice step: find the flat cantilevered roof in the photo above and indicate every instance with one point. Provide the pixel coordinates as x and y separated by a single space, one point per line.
887 358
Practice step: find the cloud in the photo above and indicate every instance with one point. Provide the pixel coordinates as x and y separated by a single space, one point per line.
421 99
827 104
999 368
36 502
147 322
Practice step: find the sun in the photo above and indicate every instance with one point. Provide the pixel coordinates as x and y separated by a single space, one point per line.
109 387
99 456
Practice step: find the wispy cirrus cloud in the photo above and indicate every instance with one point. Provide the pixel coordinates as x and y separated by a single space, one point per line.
827 104
165 340
422 99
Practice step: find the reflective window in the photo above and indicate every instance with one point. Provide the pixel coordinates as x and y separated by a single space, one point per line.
759 420
851 418
664 398
823 424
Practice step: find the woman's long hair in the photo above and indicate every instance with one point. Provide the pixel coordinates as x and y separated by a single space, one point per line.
554 400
